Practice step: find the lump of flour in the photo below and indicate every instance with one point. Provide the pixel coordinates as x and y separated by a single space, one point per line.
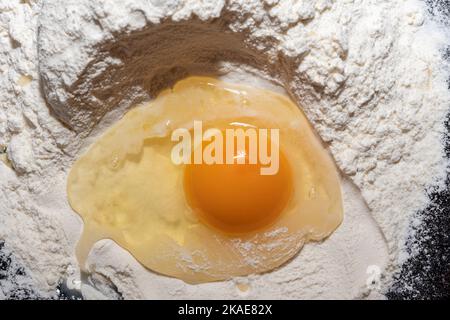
366 74
369 74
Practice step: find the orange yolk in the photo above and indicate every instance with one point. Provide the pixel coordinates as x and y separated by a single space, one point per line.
236 198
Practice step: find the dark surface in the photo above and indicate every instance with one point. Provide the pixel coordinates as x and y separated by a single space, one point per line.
425 276
14 284
11 276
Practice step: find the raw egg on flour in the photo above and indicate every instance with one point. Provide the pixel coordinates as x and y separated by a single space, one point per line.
207 182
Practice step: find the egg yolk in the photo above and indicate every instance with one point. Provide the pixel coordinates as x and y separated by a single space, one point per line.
237 198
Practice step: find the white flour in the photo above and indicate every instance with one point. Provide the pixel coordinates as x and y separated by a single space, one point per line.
369 74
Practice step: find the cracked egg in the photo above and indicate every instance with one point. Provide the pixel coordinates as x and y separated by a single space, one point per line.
206 222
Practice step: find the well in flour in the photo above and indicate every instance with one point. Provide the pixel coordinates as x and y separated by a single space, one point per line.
370 75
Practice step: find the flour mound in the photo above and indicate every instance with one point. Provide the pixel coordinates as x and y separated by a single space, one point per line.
369 74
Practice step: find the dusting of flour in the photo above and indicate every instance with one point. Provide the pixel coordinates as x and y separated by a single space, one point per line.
369 75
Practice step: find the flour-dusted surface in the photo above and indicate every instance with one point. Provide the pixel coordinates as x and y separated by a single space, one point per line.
426 272
369 74
31 222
